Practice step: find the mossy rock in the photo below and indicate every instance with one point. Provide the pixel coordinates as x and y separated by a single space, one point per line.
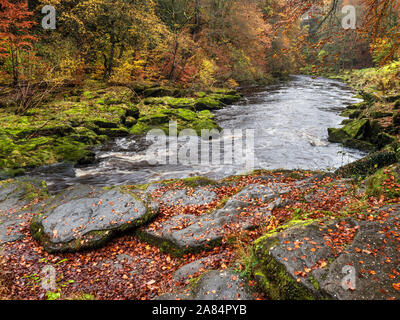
184 114
351 113
359 106
392 98
40 151
208 103
132 111
130 122
194 182
224 91
337 135
396 119
359 144
155 119
106 124
85 135
384 139
11 173
226 99
71 151
370 97
113 132
139 128
368 165
346 121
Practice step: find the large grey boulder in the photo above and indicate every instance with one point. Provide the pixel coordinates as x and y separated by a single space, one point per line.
189 233
299 262
84 217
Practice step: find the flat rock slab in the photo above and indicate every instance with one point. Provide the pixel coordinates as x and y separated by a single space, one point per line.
188 270
298 263
13 207
185 197
216 286
84 217
189 233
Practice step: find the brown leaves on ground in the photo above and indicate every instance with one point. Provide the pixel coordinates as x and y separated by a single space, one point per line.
130 269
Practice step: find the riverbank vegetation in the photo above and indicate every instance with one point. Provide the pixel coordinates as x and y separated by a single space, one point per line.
114 68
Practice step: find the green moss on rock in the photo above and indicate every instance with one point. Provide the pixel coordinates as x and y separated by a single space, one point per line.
271 275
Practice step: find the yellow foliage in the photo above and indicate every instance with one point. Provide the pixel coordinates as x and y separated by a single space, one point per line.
206 73
231 83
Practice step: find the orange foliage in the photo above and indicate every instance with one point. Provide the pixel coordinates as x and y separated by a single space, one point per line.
15 34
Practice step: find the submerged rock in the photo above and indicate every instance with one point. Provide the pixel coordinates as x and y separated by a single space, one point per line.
181 197
84 217
356 129
188 270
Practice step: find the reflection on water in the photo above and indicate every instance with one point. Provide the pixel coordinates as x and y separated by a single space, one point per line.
290 122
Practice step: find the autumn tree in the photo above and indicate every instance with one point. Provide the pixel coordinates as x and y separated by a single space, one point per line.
178 16
15 37
108 29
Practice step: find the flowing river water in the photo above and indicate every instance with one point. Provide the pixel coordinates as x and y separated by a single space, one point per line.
290 122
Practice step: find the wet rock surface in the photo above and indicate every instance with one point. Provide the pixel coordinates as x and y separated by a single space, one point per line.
300 263
86 217
190 233
14 207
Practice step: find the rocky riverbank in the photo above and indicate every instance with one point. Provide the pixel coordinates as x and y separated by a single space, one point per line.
74 120
280 235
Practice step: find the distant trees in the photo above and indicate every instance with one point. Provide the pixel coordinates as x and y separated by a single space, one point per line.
193 42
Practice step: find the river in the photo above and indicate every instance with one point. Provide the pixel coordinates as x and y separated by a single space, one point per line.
290 122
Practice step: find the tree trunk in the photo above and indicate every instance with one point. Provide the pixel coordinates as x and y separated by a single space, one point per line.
171 74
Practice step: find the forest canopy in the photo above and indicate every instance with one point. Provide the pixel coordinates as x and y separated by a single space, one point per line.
192 42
